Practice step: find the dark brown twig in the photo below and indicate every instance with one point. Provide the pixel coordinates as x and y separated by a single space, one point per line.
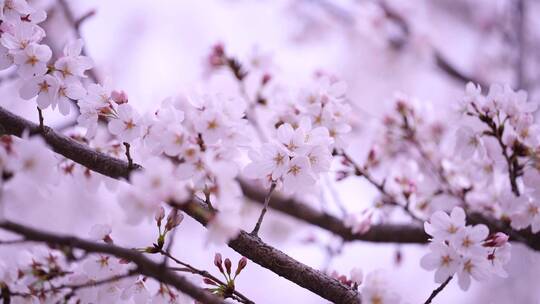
263 211
437 290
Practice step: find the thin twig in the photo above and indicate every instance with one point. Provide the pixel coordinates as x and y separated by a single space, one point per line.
521 33
389 198
203 273
13 242
438 290
75 287
40 113
128 155
263 211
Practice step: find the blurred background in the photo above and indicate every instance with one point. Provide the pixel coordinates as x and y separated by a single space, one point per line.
423 48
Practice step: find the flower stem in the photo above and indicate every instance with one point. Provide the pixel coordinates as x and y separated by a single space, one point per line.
40 113
263 211
128 155
437 290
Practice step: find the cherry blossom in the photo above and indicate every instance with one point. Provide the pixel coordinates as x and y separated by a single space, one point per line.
72 65
193 155
375 290
126 126
463 250
528 215
44 87
475 267
444 259
442 226
32 61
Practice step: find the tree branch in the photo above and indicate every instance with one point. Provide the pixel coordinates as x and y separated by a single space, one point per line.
249 246
115 168
145 266
61 144
384 233
253 248
398 43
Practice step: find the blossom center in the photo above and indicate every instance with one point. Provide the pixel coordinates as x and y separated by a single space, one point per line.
446 260
32 60
294 170
278 159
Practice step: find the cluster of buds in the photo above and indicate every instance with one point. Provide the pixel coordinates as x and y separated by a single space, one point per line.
174 218
219 59
225 290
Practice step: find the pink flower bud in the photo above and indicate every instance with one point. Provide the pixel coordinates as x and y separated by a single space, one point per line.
119 97
174 219
218 49
160 215
228 265
218 261
265 79
498 239
241 265
209 282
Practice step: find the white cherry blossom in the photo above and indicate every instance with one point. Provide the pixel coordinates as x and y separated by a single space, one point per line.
442 226
44 87
442 258
32 61
127 125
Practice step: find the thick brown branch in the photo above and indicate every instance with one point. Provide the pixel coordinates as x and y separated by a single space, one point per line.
61 144
145 266
253 248
387 233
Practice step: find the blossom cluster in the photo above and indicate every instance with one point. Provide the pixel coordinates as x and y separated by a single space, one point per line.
506 143
307 133
46 276
54 84
193 147
464 249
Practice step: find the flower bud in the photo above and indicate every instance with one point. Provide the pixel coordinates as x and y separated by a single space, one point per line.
160 215
218 49
265 79
209 282
228 265
498 239
119 97
241 265
218 261
174 219
151 250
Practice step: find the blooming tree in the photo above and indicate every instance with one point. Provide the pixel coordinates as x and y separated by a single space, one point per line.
466 190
